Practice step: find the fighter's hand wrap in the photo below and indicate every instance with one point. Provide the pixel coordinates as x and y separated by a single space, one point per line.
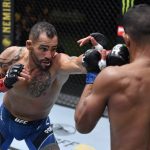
119 55
101 40
12 75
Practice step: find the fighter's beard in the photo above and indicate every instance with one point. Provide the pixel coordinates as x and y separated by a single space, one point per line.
37 62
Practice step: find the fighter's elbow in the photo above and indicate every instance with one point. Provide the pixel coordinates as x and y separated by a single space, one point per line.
82 126
83 130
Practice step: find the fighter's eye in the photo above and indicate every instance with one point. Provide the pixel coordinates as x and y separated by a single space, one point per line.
43 49
54 49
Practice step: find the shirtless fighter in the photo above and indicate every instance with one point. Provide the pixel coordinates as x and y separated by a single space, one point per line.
125 90
34 77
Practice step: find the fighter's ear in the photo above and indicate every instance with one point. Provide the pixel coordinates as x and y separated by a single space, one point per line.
126 38
29 44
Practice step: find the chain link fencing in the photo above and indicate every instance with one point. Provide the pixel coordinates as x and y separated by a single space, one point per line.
73 20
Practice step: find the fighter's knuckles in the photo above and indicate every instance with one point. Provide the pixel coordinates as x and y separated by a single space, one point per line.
118 56
90 60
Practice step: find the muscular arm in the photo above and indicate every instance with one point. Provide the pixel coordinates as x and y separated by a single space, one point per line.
71 65
94 100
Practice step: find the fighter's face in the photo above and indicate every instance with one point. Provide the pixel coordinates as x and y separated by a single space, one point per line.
43 51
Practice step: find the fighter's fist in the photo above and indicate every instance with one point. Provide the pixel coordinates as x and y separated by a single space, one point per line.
12 75
90 60
94 61
119 55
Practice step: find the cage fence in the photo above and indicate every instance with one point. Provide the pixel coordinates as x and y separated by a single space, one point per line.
73 20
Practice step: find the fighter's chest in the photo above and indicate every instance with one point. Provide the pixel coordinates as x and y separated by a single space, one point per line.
39 83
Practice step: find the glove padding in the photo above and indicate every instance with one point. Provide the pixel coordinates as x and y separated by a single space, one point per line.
90 60
119 55
101 39
12 75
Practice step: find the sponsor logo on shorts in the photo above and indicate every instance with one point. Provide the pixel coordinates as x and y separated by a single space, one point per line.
21 121
48 130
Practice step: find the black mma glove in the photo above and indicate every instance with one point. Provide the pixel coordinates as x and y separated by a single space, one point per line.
101 39
119 55
92 62
12 75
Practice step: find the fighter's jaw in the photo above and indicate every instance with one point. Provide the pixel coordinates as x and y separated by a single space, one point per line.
45 65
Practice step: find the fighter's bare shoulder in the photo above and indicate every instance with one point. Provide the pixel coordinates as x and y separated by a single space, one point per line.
10 51
11 55
65 64
61 58
110 77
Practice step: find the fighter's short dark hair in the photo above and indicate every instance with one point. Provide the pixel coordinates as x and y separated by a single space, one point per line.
136 22
42 27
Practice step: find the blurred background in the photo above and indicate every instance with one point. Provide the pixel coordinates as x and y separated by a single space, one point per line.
73 19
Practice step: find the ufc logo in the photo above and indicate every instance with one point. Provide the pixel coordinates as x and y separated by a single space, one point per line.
20 121
48 130
116 49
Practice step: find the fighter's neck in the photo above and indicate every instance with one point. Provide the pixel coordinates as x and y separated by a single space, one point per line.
29 64
140 53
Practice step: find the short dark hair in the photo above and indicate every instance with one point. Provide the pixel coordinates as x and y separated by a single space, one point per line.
136 22
42 27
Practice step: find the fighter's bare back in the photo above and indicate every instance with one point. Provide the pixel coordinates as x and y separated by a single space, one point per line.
129 109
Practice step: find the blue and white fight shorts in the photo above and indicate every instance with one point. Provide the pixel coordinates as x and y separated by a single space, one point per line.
37 134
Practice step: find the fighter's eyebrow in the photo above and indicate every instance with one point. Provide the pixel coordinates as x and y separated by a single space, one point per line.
44 45
54 46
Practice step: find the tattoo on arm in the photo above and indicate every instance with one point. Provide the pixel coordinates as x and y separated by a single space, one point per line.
8 62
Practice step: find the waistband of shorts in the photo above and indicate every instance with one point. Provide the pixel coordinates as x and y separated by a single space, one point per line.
19 120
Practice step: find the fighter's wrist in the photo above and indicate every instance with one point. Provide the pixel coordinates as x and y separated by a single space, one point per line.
90 77
102 64
98 47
